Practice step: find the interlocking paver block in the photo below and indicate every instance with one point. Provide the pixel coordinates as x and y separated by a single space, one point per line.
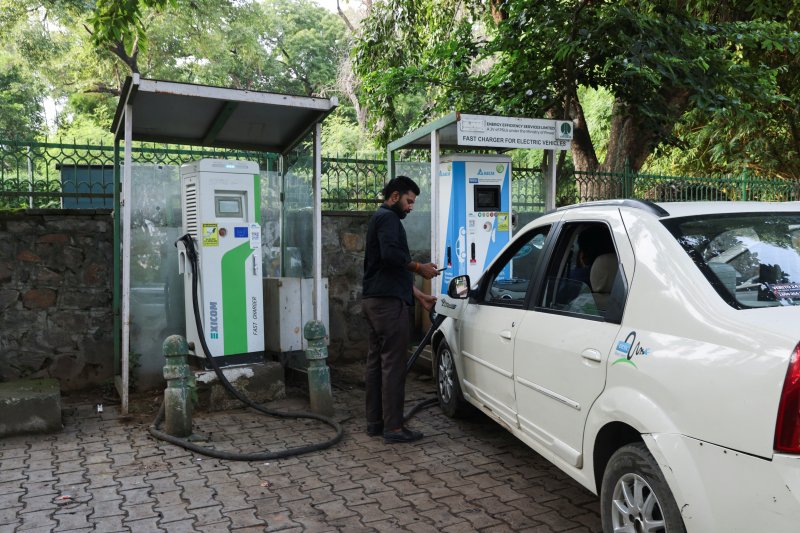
556 522
139 511
335 510
37 519
173 513
231 497
145 524
197 494
9 516
209 515
243 518
13 474
103 509
69 519
109 524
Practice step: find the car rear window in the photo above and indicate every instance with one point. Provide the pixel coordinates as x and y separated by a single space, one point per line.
752 260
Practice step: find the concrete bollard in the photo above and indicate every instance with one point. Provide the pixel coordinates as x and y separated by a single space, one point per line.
319 375
180 392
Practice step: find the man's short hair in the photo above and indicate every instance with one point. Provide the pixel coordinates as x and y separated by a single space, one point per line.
401 184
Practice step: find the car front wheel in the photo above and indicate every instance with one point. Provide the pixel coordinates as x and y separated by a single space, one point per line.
448 389
635 497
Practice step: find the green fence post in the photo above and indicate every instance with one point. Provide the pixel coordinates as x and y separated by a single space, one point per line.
743 184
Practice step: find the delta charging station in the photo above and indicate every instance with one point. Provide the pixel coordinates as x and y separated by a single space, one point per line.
220 202
474 197
472 216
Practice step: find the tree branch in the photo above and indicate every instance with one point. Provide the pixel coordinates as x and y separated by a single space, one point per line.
344 17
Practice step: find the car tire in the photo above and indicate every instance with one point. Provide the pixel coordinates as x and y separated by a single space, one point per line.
635 494
448 388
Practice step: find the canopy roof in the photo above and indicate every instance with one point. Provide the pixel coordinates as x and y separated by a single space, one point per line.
200 115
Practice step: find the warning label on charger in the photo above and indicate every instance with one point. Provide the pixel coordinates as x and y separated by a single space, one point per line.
502 221
210 234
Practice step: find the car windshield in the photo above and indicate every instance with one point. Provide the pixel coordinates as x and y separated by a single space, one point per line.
753 260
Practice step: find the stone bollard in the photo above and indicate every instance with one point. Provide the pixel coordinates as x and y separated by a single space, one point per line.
319 375
180 392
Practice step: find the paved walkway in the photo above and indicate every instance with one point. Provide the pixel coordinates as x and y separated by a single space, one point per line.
103 473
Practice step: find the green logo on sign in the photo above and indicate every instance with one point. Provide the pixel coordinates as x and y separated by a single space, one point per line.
566 128
499 169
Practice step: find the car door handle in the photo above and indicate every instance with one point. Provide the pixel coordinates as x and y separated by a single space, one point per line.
592 355
505 334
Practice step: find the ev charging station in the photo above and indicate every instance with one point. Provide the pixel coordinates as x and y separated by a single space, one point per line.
475 205
224 198
220 206
470 218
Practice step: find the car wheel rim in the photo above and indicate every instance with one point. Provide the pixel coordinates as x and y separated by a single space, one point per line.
635 507
445 372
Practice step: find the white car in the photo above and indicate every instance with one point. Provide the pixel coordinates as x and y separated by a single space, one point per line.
650 351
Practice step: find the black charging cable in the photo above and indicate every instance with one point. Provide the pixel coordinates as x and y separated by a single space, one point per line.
191 254
436 321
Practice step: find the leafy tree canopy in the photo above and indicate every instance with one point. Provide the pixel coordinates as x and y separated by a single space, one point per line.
666 64
81 53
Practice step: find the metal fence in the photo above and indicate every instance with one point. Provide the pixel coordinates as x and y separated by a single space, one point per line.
56 175
59 175
662 188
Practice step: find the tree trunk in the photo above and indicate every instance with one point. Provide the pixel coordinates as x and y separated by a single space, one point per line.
631 141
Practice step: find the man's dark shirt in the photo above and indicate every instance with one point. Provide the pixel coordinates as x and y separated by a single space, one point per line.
386 257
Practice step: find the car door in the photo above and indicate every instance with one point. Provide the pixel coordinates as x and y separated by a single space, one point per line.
563 344
489 322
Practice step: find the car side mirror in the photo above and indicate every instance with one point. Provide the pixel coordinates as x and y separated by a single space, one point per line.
459 288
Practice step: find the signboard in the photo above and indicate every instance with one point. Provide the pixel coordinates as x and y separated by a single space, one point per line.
510 132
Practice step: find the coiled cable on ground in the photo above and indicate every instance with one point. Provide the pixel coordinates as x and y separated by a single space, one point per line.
237 456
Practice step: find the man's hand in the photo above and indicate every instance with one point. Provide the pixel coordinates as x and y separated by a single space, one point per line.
428 270
427 301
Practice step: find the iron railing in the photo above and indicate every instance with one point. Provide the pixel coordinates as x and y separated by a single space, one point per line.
664 188
55 175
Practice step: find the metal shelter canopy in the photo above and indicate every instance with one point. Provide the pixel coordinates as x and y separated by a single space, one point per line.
201 115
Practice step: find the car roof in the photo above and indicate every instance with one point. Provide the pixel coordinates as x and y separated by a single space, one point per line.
684 209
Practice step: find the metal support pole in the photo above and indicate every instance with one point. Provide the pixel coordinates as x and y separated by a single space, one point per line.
319 376
117 275
126 205
550 181
318 222
435 208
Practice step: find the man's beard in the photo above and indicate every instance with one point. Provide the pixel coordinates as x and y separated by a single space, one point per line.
398 210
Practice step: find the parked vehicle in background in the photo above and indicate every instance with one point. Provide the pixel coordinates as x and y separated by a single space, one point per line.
651 351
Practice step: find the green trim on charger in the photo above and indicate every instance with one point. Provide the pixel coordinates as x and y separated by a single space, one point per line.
257 196
234 299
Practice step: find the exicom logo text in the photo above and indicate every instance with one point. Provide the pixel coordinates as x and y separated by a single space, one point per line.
213 320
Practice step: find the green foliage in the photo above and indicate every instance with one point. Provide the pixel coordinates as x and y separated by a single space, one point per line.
21 111
115 21
666 65
285 46
343 137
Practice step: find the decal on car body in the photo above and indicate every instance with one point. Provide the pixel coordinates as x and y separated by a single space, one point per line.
630 348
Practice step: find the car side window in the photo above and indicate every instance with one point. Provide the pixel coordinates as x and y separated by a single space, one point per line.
508 280
584 277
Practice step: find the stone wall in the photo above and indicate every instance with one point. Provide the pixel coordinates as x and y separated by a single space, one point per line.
55 296
343 238
56 271
343 235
